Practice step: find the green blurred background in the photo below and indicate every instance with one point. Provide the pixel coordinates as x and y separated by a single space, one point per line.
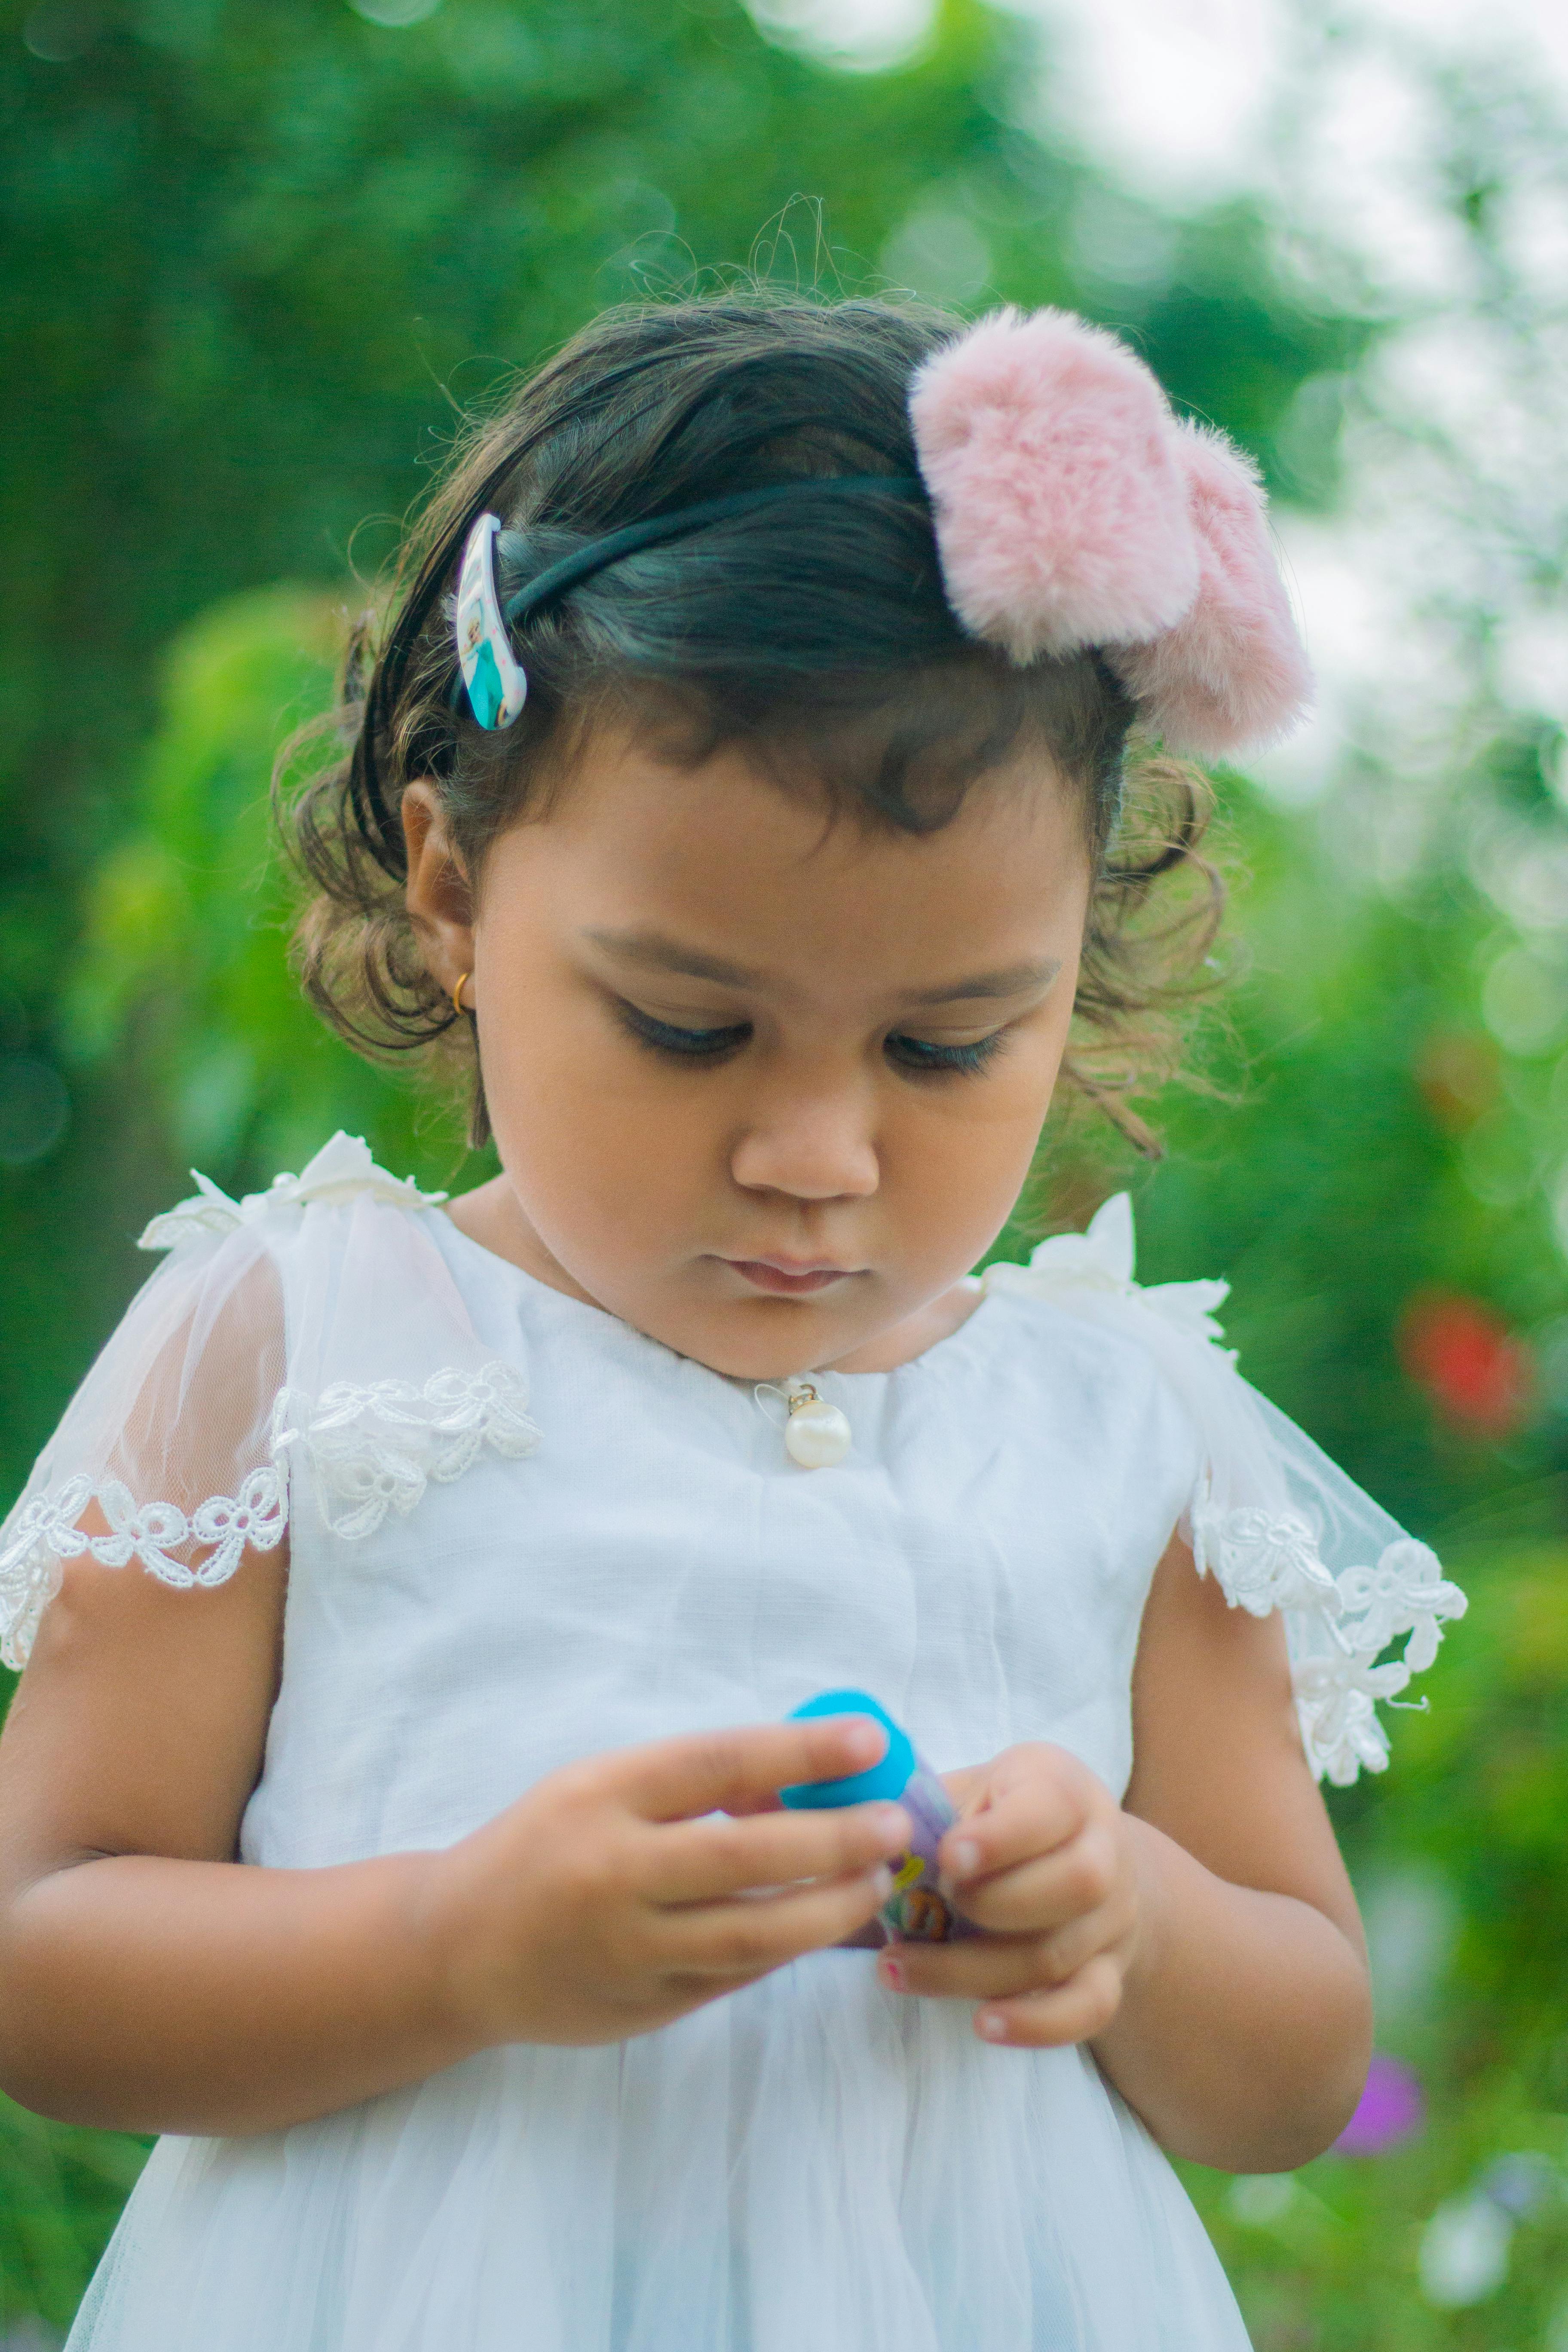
257 255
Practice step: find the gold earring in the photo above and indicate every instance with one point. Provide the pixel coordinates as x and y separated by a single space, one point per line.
459 1006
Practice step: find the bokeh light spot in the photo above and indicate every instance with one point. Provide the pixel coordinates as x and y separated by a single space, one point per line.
1476 1372
1390 2111
35 1109
938 253
1463 2254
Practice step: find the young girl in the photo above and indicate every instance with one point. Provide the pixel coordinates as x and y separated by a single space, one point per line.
389 1811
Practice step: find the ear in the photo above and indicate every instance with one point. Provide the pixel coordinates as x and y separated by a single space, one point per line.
439 897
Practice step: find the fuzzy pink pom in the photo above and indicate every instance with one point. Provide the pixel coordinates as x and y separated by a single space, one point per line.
1231 671
1053 471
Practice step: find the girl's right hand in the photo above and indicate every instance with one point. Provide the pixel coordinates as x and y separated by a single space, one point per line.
622 1892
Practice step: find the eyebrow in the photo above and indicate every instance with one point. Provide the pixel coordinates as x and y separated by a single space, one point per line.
1013 980
652 951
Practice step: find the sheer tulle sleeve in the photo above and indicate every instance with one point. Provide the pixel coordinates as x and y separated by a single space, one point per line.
305 1347
165 1456
1276 1522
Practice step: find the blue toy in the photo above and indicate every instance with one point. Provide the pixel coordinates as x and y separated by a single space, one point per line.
916 1912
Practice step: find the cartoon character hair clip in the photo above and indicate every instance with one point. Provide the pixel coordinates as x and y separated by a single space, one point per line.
496 681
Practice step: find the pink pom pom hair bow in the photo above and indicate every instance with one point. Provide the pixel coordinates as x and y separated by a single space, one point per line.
1073 510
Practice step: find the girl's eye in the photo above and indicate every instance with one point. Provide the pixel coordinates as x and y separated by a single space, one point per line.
919 1055
685 1044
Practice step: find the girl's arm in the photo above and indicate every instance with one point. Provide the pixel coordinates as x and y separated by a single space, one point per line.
1204 1937
1245 2029
150 1982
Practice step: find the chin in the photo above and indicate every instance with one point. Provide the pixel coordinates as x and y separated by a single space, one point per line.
765 1340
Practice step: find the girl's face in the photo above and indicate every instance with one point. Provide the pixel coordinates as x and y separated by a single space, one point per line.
763 1085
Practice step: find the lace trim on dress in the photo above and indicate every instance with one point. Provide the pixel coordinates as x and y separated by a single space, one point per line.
1267 1559
370 1449
46 1533
374 1449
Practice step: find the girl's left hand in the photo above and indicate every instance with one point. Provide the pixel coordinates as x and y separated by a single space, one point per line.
1044 1859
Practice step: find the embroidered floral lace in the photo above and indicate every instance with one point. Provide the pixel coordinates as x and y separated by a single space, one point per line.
1263 1563
374 1450
45 1532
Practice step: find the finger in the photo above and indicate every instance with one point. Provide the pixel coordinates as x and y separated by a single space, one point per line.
1013 1824
702 1860
770 1802
994 1967
1075 2012
699 1772
1048 1890
978 1968
746 1939
977 1786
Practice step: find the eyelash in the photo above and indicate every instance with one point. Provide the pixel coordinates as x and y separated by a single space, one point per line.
682 1045
917 1056
922 1059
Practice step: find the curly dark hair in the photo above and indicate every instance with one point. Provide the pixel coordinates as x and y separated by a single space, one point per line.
813 630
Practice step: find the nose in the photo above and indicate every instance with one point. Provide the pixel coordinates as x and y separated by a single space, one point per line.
812 1144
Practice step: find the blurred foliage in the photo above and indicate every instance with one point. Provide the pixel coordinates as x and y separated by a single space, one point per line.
1458 1860
258 254
60 2193
1338 1185
188 914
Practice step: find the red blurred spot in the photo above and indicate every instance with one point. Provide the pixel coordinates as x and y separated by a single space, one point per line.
1476 1373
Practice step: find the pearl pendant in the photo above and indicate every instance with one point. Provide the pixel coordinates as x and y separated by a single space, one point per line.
816 1433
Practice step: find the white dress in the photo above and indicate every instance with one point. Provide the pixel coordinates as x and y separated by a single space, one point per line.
522 1532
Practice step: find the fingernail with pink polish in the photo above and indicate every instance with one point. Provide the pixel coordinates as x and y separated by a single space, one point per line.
891 1972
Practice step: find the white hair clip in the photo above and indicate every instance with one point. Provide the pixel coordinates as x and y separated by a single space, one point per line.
496 681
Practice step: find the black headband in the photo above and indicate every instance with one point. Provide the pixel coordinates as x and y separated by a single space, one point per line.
574 568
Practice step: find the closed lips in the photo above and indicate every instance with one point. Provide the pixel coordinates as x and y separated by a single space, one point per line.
784 1275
